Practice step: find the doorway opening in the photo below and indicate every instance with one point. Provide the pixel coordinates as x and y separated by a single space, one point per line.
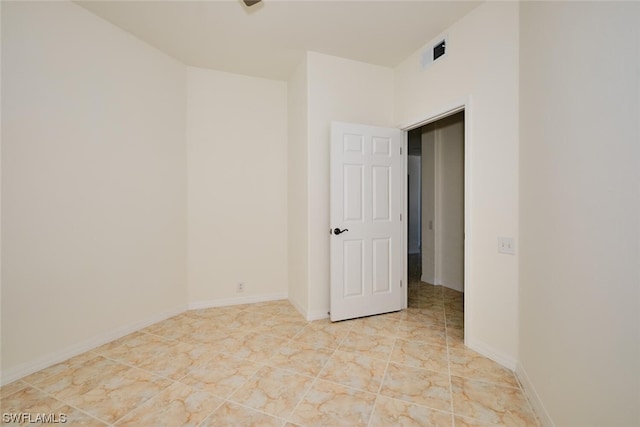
436 218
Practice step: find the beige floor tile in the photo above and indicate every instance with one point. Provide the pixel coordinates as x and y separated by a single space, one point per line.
273 391
136 348
421 355
221 375
178 332
465 362
248 320
230 414
491 403
470 422
30 400
302 357
273 307
73 362
78 380
263 359
116 395
392 412
417 386
455 322
377 325
281 328
368 345
426 316
426 303
177 405
213 313
355 371
428 333
221 338
175 363
14 387
391 315
257 347
455 337
324 333
76 418
329 404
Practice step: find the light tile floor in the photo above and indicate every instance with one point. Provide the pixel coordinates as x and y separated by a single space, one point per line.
264 365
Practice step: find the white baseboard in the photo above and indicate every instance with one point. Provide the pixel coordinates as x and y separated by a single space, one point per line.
298 306
224 302
51 359
454 287
490 352
317 315
425 279
534 398
310 316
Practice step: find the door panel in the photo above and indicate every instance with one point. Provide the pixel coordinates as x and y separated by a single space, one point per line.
353 193
366 197
381 193
381 265
353 258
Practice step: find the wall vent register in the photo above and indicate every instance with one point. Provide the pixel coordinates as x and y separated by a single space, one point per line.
434 52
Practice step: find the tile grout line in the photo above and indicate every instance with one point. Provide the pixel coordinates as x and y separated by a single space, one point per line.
64 402
286 341
384 375
265 364
317 377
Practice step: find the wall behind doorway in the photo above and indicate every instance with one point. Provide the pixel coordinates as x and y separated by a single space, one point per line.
413 166
443 202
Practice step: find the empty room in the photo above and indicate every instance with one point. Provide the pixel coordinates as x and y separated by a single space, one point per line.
320 213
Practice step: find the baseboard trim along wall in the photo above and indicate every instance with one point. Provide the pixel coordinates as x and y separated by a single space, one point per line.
298 307
224 302
310 316
317 315
534 398
493 354
426 279
51 359
30 367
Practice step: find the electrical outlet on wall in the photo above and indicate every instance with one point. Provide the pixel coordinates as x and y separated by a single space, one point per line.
240 288
506 245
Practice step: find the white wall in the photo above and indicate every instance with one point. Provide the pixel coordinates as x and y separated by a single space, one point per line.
580 210
413 168
341 90
428 205
237 187
481 67
297 181
449 224
93 184
443 197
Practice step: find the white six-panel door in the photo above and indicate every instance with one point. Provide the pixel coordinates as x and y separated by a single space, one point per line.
366 198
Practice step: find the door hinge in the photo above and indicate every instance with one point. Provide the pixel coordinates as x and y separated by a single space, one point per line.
400 150
400 217
400 283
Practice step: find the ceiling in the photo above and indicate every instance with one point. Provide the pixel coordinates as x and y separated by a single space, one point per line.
269 39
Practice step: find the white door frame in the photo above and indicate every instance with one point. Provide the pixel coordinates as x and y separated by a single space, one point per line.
446 110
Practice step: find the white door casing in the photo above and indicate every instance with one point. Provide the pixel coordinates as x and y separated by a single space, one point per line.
366 199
